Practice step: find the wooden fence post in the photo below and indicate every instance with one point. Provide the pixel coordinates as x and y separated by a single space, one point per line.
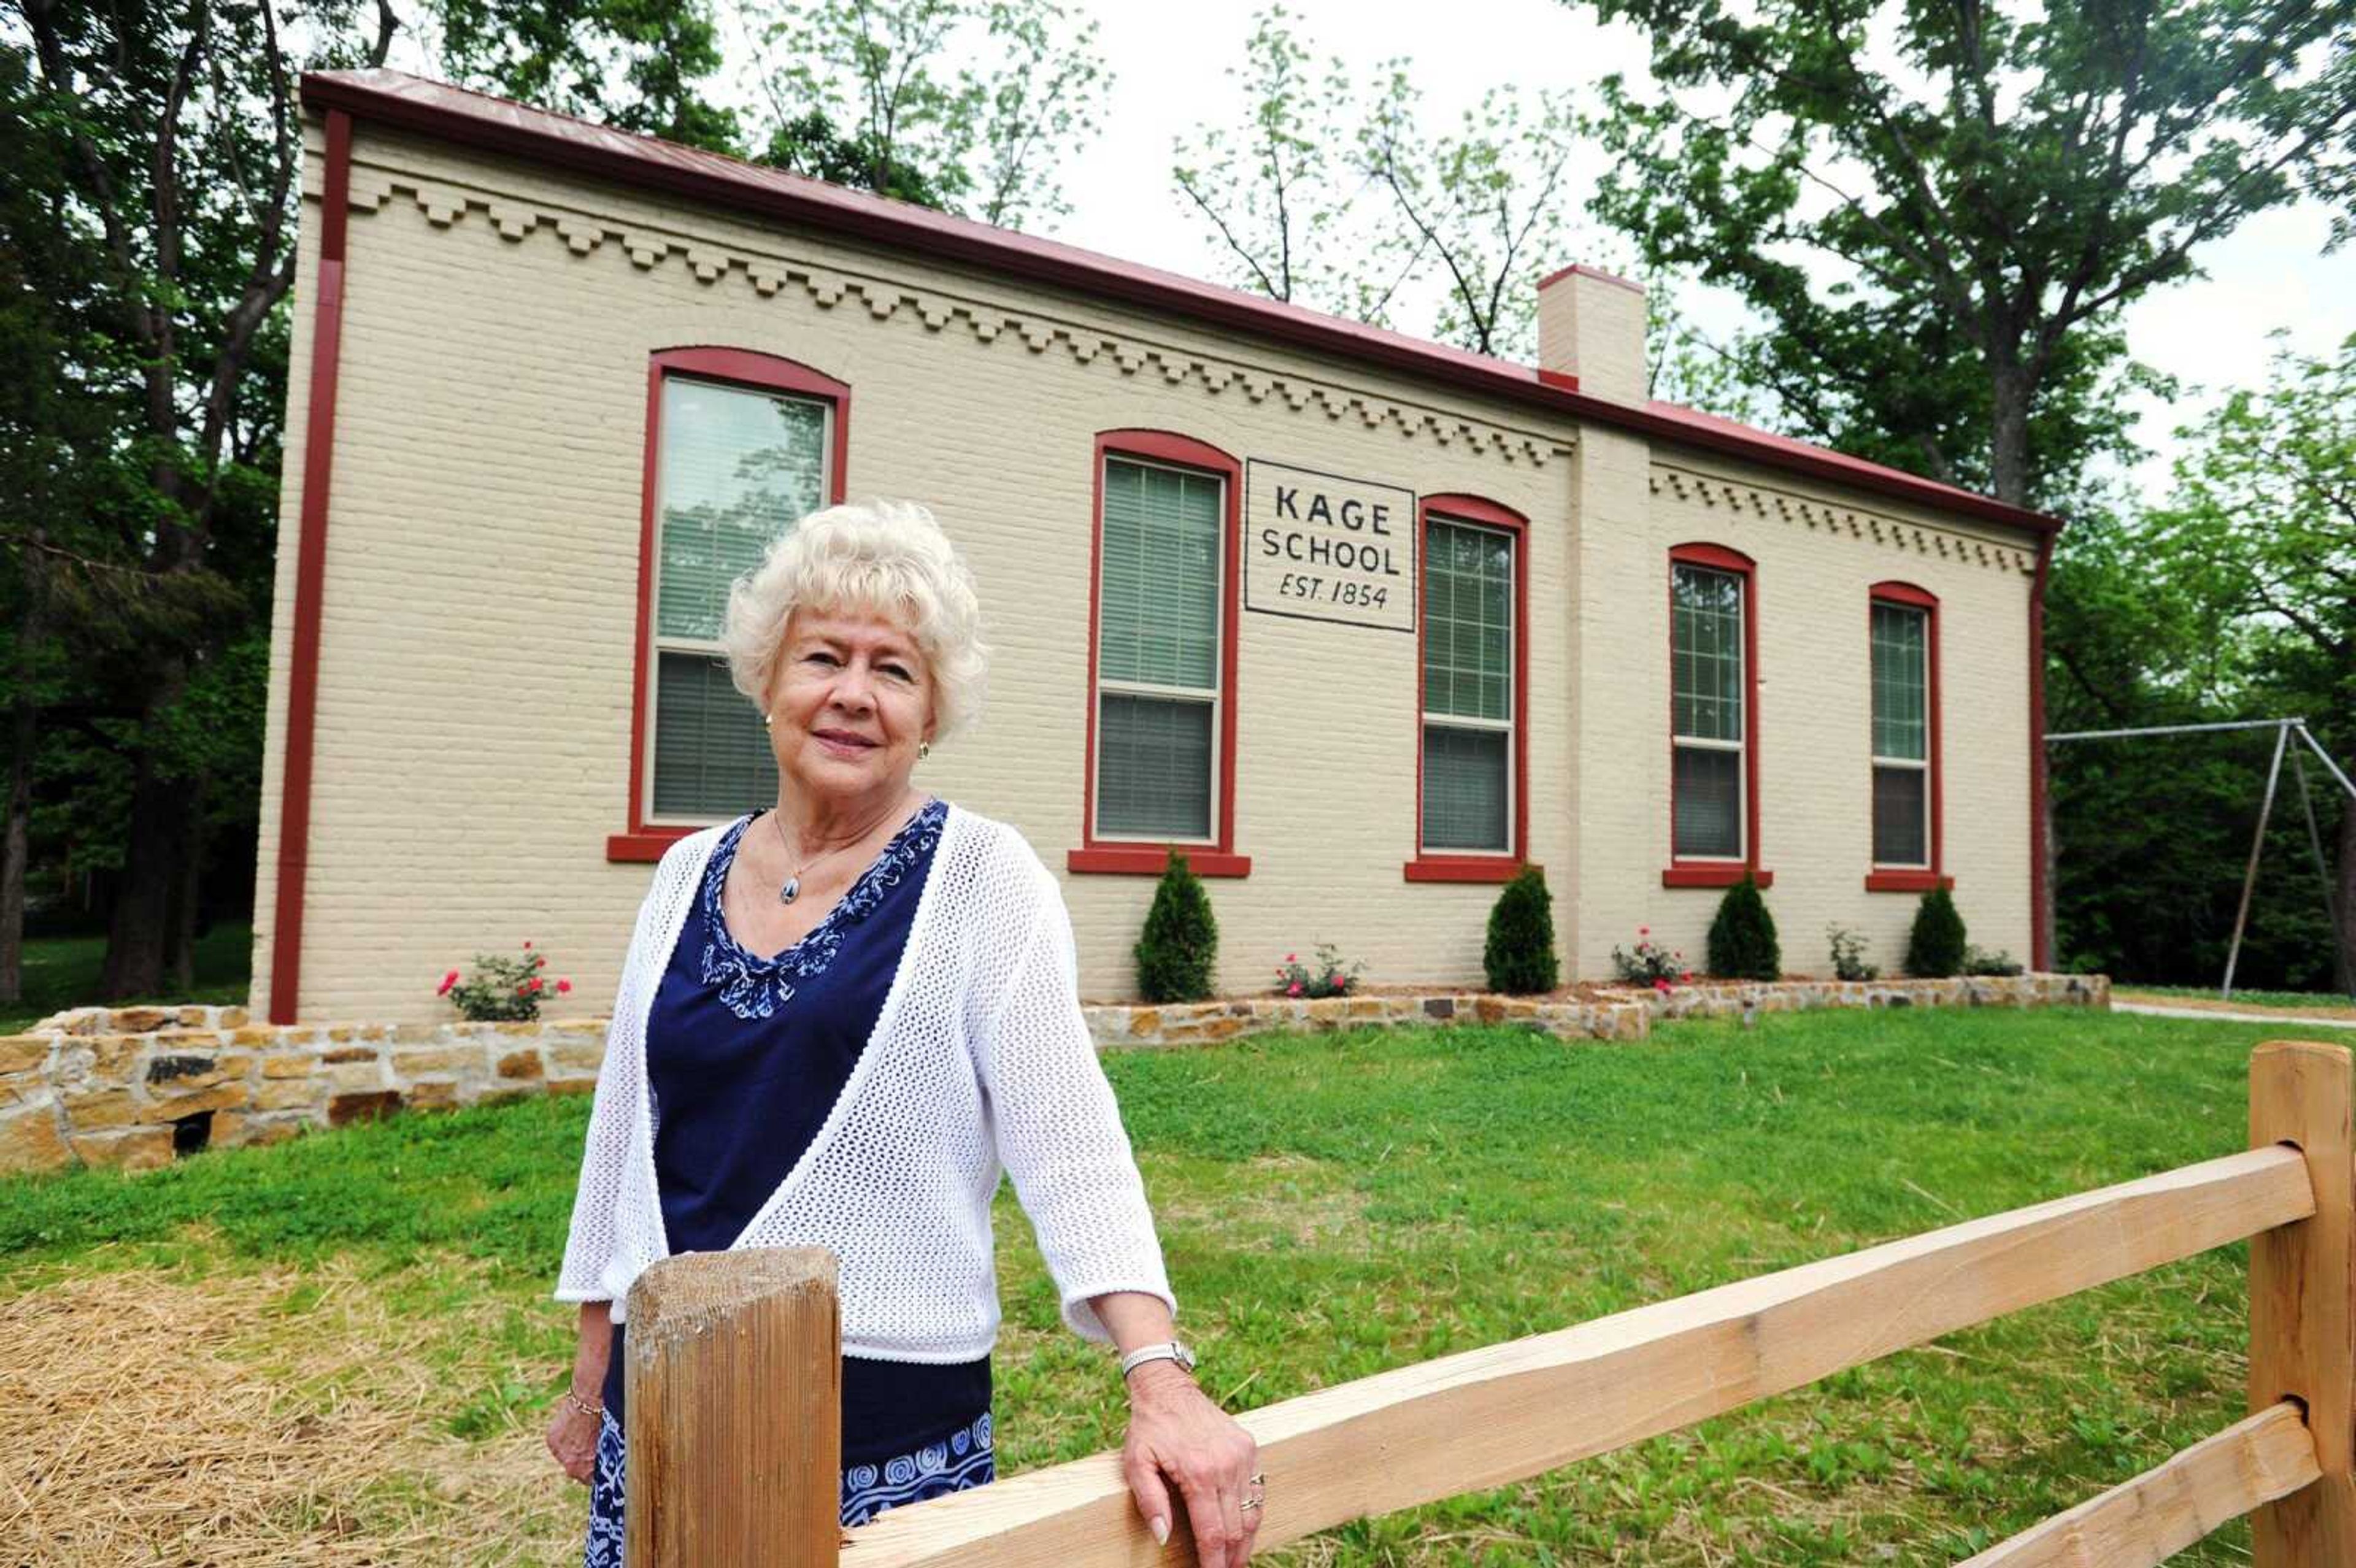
734 1412
2303 1301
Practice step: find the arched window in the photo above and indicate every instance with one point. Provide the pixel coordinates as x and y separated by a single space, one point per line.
1472 778
1902 644
740 445
1713 717
1161 657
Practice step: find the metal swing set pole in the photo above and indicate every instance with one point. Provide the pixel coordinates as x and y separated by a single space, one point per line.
2283 729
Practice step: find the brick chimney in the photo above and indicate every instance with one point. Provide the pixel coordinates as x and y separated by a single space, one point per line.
1592 326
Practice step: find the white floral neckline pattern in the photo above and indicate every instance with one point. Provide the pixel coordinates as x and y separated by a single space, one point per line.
752 986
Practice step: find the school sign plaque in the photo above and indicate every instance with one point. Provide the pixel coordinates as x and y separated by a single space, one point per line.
1319 547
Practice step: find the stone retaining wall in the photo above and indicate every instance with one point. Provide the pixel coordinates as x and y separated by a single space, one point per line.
1610 1014
134 1087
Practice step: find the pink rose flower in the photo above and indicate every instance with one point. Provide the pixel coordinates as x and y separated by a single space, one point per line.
1644 930
1292 958
1293 989
534 984
562 987
527 946
447 981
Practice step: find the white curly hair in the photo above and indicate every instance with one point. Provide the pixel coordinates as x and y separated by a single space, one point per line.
886 558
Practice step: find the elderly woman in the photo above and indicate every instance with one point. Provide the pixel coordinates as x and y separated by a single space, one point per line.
838 1018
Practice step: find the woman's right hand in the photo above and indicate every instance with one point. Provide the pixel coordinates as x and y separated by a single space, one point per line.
572 1439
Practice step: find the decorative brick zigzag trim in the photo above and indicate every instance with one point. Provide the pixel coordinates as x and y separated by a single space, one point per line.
447 203
1712 491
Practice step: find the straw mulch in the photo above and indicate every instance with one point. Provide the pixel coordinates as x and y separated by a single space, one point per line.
285 1416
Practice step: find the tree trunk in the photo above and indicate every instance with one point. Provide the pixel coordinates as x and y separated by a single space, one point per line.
143 932
17 846
24 732
180 958
2010 392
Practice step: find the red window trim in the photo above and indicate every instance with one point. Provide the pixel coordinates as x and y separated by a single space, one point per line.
1911 878
1126 857
1458 865
1692 874
643 840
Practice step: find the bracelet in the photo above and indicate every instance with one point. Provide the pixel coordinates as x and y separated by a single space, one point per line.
590 1407
1167 1350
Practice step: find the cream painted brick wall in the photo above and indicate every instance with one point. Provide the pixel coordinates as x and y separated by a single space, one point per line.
1812 724
481 587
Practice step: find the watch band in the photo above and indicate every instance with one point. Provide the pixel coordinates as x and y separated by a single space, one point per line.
1167 1350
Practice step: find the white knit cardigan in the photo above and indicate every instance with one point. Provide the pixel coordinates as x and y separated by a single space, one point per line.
979 1057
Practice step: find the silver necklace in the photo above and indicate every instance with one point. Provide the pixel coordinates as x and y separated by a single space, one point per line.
792 888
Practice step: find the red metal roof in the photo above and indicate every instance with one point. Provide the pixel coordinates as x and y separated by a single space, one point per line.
411 103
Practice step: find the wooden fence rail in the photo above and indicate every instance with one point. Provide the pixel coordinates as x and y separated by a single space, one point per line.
1487 1417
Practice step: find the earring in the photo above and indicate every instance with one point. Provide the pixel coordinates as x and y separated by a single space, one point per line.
767 719
924 750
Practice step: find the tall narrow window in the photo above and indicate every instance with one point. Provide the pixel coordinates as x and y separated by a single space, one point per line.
1714 772
1903 637
1158 652
1162 726
741 445
1472 667
1468 689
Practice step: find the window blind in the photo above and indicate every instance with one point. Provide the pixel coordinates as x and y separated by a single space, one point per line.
1153 767
737 469
711 755
1159 602
1465 804
1901 735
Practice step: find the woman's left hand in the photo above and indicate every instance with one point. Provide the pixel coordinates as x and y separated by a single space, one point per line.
1177 1435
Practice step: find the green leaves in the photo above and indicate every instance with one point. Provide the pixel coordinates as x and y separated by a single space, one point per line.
871 93
1939 211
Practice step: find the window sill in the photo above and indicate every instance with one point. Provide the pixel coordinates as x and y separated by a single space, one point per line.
644 845
1148 860
1713 875
1905 881
1464 869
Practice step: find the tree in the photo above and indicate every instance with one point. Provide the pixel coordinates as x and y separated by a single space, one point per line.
1178 952
1484 204
1939 210
146 261
868 96
1518 954
2261 531
632 64
1281 190
1742 944
1935 947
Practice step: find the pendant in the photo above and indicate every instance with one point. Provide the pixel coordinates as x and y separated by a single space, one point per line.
791 890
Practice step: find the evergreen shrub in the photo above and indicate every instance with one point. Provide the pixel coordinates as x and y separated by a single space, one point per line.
1937 947
1520 954
1742 944
1179 949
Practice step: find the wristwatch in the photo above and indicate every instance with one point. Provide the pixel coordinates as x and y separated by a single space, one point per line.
1167 1350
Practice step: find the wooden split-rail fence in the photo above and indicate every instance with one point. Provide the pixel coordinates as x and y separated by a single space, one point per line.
734 1371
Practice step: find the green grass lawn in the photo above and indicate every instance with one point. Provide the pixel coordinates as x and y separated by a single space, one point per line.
1334 1205
63 972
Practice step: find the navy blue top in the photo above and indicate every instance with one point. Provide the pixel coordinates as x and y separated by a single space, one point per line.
746 1056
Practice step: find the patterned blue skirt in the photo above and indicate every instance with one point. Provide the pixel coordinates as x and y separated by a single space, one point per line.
958 1462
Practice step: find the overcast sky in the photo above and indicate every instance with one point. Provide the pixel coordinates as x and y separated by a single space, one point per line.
1168 65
